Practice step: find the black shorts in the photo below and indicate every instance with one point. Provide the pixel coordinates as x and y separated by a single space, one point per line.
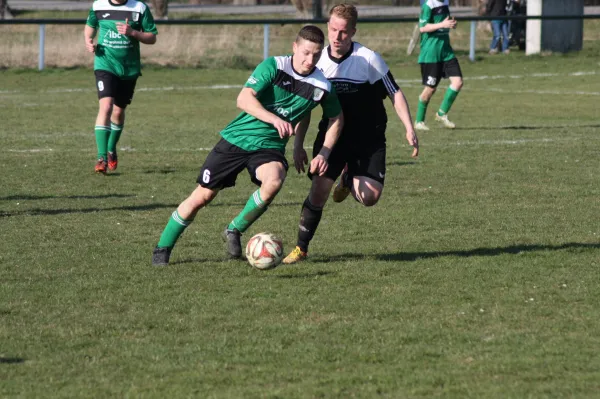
433 72
226 161
110 85
363 159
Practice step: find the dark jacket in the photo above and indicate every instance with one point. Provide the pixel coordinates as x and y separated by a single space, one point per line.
496 8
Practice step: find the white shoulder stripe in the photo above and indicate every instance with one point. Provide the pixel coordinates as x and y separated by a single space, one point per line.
389 85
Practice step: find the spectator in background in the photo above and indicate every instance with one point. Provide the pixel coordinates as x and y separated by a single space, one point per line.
497 8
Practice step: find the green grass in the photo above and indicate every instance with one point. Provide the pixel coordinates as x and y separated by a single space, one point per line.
475 276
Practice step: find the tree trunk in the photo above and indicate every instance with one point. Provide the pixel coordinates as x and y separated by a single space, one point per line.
4 10
160 9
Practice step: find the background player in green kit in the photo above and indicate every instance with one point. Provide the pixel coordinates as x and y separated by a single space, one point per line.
120 25
437 60
276 100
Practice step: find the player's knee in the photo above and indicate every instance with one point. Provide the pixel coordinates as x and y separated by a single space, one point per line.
370 201
106 108
118 113
200 198
270 188
368 198
457 84
427 94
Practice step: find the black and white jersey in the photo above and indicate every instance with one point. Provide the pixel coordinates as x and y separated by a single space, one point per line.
362 80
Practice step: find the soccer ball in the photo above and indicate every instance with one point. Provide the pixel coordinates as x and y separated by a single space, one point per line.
264 251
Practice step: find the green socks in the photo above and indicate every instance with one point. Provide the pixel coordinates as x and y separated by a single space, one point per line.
115 135
102 133
448 101
421 110
252 211
174 229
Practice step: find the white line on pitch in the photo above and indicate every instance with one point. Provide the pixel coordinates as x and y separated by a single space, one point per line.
226 86
456 143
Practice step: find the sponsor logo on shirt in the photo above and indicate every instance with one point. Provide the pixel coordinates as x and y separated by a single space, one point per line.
318 94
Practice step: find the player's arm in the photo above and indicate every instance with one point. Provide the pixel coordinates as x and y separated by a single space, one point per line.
142 37
300 156
403 112
89 33
448 23
319 163
425 18
383 80
247 102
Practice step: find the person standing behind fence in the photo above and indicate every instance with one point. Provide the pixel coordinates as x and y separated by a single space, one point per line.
122 25
497 8
437 61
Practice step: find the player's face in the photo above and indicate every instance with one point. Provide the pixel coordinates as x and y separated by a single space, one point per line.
306 55
339 34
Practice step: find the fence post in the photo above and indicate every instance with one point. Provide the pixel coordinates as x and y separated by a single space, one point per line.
42 49
533 41
472 44
266 41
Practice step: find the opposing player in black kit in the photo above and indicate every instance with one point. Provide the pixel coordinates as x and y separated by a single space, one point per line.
362 81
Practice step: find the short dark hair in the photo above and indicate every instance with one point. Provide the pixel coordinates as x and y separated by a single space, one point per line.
312 34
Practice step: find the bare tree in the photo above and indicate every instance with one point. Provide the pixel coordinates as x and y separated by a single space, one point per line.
5 10
161 9
312 8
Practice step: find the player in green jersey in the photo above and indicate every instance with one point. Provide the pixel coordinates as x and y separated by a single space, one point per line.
276 101
437 61
120 27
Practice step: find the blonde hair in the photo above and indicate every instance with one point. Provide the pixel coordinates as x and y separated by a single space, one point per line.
345 11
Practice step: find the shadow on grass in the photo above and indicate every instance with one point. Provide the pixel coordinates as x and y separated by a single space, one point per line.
50 212
398 163
11 360
522 127
412 256
25 197
303 275
147 207
163 171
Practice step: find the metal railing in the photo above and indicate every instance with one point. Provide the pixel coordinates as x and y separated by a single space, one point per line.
267 22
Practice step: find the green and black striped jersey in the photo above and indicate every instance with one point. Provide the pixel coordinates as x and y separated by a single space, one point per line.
435 46
116 53
286 93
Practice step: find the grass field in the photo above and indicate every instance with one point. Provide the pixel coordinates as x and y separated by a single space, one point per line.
475 276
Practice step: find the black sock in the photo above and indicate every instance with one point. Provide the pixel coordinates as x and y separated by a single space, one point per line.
310 216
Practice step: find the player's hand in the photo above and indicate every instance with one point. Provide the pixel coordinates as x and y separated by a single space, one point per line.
319 165
124 28
300 159
412 139
284 128
449 22
89 45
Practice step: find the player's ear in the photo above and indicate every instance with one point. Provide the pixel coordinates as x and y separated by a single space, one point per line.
295 47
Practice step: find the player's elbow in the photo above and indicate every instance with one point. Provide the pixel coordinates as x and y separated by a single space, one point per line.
422 29
151 40
241 102
339 119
